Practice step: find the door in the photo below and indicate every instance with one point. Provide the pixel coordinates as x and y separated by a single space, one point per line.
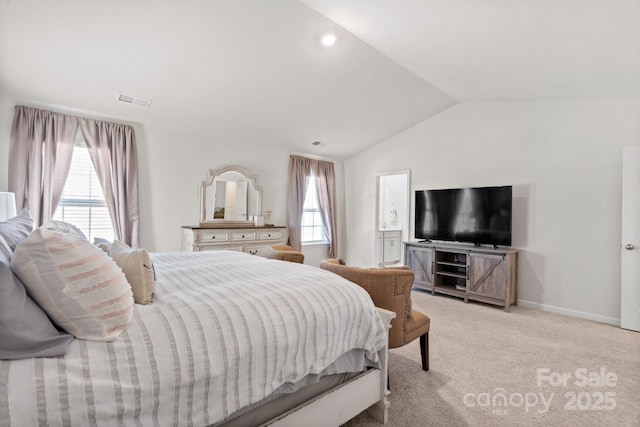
630 269
420 261
392 212
488 275
390 248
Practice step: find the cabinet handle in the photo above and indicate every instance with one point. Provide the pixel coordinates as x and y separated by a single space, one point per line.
268 235
213 237
253 252
243 236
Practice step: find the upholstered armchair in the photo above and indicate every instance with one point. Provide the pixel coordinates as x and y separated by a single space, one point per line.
285 253
390 288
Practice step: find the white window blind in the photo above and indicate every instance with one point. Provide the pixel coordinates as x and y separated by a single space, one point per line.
82 203
312 228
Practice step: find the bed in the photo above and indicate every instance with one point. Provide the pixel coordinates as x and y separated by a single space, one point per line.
228 335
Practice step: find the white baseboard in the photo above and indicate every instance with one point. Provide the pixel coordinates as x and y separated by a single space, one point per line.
574 313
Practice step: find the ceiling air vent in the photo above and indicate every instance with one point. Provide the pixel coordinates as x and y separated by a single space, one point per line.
135 100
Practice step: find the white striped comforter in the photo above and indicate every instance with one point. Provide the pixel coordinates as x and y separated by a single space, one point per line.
225 331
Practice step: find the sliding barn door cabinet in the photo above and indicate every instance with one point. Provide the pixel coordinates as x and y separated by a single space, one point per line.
471 273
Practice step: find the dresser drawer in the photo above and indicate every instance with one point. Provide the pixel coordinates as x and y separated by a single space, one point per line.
270 235
225 247
213 236
254 240
237 236
257 250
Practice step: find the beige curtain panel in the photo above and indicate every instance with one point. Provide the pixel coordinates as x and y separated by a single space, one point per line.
112 148
40 152
301 169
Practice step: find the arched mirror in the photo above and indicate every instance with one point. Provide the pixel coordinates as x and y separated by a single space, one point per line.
230 196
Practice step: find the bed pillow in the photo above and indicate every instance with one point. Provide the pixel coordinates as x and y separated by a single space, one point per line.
64 227
5 251
25 330
76 284
138 268
14 230
103 244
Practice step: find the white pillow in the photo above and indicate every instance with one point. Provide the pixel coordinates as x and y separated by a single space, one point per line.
81 289
5 251
137 266
103 244
13 231
64 227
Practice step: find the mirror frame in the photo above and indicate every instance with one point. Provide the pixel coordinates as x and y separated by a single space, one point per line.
210 181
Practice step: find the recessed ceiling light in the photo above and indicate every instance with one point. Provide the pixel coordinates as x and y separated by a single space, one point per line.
328 39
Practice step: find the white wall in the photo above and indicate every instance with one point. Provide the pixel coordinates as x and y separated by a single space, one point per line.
563 159
172 166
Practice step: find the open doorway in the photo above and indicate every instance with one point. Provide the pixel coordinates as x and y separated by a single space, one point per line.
392 216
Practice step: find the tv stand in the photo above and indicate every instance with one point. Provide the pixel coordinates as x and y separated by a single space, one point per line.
470 272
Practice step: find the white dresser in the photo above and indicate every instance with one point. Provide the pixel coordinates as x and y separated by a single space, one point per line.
254 240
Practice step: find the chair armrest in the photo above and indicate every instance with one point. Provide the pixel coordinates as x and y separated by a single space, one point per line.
293 256
285 255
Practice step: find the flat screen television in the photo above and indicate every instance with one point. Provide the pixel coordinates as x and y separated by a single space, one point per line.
479 215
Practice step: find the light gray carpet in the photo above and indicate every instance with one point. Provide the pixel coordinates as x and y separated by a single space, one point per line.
480 352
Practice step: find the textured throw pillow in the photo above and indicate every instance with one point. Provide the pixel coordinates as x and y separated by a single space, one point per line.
103 244
25 330
137 266
81 289
64 227
14 230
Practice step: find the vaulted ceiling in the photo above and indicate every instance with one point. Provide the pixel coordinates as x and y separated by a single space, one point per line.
504 49
254 72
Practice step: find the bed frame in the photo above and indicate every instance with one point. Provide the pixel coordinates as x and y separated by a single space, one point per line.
368 391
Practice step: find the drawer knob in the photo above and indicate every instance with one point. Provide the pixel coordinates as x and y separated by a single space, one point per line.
243 236
213 237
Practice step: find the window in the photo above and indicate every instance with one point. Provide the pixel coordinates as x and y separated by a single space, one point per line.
82 203
312 228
